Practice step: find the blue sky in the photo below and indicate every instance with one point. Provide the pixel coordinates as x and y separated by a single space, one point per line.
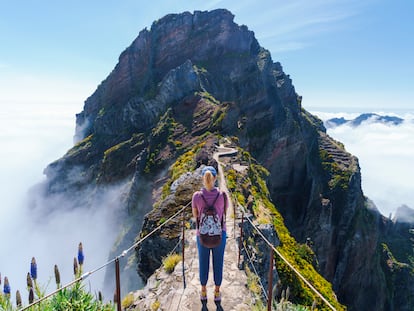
340 54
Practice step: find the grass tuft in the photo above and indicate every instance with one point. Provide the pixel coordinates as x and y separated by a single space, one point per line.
170 262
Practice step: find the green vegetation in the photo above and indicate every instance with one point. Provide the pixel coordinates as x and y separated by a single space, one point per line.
161 135
208 97
392 262
84 144
69 299
218 117
155 305
127 301
170 262
254 287
185 163
72 298
117 159
338 177
299 255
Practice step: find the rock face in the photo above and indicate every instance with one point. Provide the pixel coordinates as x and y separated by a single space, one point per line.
191 77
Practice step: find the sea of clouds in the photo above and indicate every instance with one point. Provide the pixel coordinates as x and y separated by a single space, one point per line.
385 153
31 137
34 135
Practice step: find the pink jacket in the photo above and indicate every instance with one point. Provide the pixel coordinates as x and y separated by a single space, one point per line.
221 203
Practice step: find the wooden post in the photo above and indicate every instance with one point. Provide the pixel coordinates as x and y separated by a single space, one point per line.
270 279
118 285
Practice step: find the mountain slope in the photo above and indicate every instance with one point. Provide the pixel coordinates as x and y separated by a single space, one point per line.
158 115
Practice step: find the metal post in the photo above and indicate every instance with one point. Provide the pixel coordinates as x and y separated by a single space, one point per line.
118 285
241 239
183 240
270 279
182 250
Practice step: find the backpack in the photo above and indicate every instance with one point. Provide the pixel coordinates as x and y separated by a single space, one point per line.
209 225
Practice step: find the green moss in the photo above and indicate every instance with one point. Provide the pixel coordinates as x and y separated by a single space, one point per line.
170 262
299 255
208 97
218 117
86 143
161 135
338 178
117 159
231 179
185 163
101 112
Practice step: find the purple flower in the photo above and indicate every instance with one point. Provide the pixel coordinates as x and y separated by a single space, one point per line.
6 286
81 257
33 269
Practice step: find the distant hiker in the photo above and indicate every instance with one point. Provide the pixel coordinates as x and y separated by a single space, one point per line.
209 207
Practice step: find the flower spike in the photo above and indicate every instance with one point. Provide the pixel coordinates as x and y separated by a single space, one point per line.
57 276
6 286
31 296
33 269
18 299
75 266
29 281
81 257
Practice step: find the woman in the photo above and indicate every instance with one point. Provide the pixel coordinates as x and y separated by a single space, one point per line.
210 195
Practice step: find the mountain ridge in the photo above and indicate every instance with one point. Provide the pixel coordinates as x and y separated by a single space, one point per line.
363 118
179 87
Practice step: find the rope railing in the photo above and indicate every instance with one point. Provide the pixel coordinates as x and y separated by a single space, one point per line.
255 271
241 245
116 260
273 248
290 265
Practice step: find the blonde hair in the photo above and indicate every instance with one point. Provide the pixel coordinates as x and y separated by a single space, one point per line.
208 180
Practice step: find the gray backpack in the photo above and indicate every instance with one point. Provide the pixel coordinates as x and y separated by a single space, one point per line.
209 225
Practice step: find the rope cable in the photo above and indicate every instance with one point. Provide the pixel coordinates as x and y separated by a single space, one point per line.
255 271
291 266
123 254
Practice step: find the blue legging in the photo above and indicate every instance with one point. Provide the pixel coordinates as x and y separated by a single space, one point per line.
218 259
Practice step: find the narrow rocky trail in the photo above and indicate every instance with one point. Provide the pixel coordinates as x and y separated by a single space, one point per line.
168 289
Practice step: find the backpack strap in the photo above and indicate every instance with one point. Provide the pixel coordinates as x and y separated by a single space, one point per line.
214 202
223 220
202 210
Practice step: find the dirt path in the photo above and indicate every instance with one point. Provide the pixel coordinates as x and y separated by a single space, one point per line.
168 289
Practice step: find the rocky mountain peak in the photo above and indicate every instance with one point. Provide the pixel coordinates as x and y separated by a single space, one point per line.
204 39
182 86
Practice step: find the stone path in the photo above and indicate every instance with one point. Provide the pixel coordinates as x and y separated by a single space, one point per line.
168 291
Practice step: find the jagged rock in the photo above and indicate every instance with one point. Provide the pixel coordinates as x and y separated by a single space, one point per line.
404 214
257 253
195 74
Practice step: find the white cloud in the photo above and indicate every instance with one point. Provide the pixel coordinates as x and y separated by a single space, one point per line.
33 134
34 88
385 155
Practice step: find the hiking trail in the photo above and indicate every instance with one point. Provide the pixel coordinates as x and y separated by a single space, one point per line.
167 290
